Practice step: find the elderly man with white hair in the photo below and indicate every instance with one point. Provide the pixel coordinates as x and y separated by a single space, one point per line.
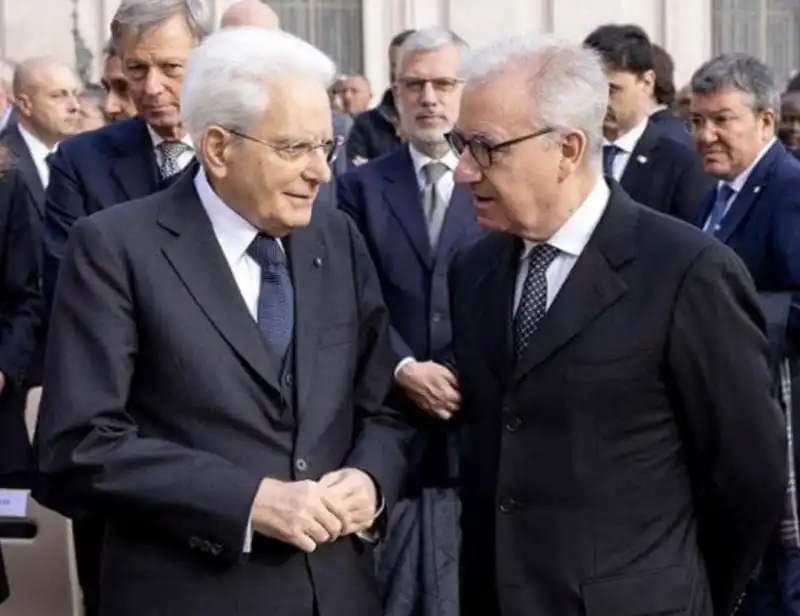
623 454
219 358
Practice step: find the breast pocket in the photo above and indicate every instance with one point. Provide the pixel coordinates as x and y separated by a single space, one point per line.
334 335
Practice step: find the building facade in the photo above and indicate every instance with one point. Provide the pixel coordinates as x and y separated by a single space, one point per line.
356 32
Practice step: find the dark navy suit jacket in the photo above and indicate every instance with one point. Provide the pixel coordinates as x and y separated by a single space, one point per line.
383 197
762 226
672 126
665 175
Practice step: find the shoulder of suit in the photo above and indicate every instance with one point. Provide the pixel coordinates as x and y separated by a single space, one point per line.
102 139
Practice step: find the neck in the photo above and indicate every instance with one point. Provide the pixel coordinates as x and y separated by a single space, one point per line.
171 133
433 150
47 139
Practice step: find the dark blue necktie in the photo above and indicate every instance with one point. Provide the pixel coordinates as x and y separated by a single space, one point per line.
609 154
714 222
276 297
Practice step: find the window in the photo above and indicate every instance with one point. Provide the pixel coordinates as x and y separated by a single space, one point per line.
767 29
335 26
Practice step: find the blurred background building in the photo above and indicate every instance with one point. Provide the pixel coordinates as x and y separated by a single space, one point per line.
356 32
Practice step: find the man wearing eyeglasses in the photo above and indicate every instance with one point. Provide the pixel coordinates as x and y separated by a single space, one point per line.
414 220
623 453
219 360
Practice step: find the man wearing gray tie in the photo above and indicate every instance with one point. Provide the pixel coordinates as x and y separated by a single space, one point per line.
414 220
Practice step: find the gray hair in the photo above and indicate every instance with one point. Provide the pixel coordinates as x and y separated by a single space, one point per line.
738 71
138 16
429 39
228 76
567 86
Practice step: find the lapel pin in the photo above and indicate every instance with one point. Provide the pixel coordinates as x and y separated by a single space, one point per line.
756 190
641 159
317 261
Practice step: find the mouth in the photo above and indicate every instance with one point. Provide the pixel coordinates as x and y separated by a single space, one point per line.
300 196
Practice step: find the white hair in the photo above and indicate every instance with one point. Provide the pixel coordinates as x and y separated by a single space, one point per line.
567 87
228 76
429 39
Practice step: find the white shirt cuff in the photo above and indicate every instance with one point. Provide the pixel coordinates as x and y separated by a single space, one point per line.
369 535
403 362
248 537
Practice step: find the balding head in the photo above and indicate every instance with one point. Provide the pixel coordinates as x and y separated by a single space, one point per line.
253 13
46 93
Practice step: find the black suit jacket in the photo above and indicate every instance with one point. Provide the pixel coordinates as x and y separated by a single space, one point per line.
665 175
20 302
23 161
604 472
672 126
164 409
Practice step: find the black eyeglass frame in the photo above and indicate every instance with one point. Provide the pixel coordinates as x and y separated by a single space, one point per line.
481 149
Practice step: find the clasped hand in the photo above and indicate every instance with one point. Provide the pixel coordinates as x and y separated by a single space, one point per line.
307 514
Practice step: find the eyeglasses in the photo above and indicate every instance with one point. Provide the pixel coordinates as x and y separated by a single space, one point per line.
441 85
482 150
296 151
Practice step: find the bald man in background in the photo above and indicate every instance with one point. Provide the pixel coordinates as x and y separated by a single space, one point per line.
252 13
47 97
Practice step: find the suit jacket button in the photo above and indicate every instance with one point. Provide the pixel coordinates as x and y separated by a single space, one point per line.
514 424
216 549
205 546
507 505
301 465
194 542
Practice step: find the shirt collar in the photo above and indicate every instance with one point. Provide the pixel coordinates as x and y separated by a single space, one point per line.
628 141
658 108
574 234
38 150
742 178
158 139
419 160
233 232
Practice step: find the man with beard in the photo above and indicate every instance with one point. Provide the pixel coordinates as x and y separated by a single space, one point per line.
414 221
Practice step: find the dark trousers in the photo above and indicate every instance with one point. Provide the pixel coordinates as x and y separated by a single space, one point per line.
88 532
776 591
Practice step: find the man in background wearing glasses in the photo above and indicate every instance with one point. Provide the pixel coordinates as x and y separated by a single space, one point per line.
623 453
219 359
414 220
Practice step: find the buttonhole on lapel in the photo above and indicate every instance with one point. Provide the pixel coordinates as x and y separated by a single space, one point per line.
641 159
317 261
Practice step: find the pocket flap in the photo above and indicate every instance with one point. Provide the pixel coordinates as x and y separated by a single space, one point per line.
661 592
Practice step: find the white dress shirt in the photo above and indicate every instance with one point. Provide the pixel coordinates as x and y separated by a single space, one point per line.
626 144
738 184
39 153
570 240
183 160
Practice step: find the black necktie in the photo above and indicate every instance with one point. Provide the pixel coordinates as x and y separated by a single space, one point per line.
276 297
533 300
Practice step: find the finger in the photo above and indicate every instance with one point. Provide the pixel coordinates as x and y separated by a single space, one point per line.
316 531
441 413
333 516
303 542
450 378
331 479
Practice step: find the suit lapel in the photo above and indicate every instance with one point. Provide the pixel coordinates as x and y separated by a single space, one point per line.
495 294
308 263
638 172
460 216
135 168
27 167
401 191
750 193
197 259
592 287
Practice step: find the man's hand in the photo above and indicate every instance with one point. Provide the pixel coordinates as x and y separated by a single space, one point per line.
359 160
431 386
358 492
301 513
2 382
